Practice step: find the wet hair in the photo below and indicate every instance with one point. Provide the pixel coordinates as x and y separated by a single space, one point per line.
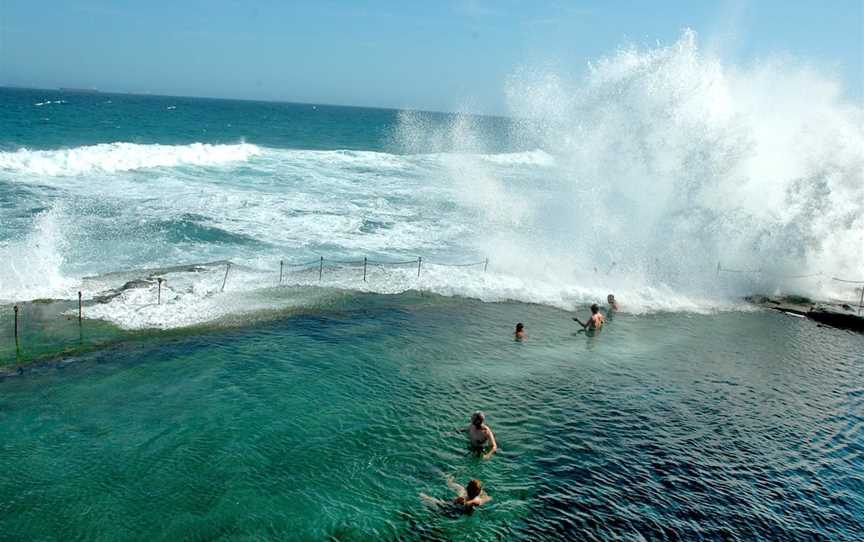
519 327
478 415
473 489
594 308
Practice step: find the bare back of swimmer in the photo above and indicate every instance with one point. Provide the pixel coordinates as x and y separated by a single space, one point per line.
596 320
467 498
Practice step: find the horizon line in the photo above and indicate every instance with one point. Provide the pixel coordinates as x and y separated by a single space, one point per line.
94 90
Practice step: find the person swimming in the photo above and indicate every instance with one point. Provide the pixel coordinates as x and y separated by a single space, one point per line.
467 498
596 320
519 334
480 435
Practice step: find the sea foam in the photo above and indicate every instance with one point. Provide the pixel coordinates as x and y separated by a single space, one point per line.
638 178
663 163
117 157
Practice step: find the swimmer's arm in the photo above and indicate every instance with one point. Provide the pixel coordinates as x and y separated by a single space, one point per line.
478 500
494 445
456 487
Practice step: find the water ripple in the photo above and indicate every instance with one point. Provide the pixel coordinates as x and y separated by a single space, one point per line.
330 428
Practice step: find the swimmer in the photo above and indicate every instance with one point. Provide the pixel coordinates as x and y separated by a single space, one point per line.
595 322
480 435
519 334
613 305
467 498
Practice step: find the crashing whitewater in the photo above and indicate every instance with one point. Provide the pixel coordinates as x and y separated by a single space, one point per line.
637 178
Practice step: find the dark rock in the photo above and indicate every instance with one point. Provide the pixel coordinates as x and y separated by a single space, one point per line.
759 299
838 315
137 283
837 319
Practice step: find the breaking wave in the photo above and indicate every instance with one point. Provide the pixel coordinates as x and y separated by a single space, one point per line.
117 157
638 179
660 164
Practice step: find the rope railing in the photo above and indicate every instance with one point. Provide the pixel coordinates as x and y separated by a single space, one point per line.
472 264
720 269
366 262
25 323
861 299
304 264
347 262
320 262
848 281
375 262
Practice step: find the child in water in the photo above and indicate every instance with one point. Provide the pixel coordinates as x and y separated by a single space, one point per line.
519 334
467 498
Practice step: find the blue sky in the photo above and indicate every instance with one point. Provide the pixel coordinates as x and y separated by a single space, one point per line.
444 55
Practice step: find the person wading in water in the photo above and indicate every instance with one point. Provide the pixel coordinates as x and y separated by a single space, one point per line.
595 322
480 435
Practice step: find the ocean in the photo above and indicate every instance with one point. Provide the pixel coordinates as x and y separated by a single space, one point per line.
289 309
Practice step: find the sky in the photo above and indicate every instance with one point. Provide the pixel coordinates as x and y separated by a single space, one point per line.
435 55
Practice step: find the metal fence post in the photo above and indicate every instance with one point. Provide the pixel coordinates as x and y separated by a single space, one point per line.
224 280
861 301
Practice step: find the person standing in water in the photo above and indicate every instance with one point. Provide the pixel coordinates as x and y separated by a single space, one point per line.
519 334
595 322
480 436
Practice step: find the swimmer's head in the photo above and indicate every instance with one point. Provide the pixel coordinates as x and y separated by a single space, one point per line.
478 418
473 489
610 298
519 327
595 309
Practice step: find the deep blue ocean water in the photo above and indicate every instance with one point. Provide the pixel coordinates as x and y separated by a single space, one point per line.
169 120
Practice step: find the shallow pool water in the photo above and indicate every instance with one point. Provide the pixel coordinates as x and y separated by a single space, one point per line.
328 425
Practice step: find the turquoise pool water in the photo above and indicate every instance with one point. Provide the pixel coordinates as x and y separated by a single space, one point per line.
328 425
